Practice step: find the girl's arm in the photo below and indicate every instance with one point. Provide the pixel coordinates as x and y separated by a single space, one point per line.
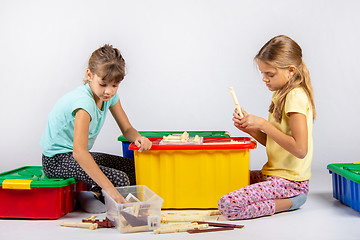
130 133
86 161
296 143
257 134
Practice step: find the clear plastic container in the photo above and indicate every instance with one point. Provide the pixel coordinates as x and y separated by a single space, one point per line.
142 212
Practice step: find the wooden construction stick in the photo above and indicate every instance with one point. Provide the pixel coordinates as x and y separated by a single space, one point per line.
220 227
213 212
106 223
182 218
196 138
136 208
92 217
184 137
236 101
185 213
91 226
129 229
180 228
179 140
210 230
171 137
217 224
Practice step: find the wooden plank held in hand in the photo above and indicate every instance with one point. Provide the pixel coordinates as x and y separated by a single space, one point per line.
236 101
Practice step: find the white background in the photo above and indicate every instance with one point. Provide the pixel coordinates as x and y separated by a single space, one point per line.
182 56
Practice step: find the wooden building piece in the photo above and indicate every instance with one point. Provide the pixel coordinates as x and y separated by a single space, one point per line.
180 228
236 101
91 226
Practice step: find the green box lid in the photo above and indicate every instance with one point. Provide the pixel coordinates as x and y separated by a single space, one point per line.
37 177
350 171
160 134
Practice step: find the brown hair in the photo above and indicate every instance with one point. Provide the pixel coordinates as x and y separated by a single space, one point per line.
282 52
107 63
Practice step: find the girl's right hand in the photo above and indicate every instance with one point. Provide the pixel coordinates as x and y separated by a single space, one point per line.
114 194
237 119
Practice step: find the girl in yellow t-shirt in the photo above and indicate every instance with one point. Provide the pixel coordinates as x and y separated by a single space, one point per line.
282 184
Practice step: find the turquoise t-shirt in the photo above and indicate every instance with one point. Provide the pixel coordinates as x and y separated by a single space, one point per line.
58 136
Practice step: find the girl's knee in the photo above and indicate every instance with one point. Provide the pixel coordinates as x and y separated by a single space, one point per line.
121 180
230 207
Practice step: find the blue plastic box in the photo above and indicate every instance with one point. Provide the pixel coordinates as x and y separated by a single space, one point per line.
346 183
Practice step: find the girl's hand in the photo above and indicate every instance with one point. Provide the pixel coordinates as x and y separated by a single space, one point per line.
248 123
143 144
237 119
114 194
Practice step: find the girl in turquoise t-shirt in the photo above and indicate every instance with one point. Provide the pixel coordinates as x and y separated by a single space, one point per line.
74 124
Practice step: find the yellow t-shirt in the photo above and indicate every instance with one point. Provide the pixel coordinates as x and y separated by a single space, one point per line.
281 163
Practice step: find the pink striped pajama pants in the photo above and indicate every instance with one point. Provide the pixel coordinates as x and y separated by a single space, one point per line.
257 199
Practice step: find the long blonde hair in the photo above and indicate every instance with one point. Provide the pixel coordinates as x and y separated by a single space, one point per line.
282 52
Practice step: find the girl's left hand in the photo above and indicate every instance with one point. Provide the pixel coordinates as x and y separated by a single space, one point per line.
251 122
143 144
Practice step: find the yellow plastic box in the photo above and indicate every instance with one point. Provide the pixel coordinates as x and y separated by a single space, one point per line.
194 176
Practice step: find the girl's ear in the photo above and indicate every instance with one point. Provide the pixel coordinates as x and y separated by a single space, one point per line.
292 70
88 75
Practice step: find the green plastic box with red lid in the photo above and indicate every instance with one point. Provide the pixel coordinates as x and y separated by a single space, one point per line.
159 134
27 193
346 183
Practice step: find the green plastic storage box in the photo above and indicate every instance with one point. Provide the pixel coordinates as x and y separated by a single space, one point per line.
27 193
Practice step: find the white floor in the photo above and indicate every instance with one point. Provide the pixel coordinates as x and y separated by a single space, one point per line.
322 217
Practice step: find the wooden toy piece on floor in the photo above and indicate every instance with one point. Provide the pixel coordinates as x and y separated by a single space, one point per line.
91 226
106 223
129 229
186 213
91 218
181 219
209 230
196 226
180 228
187 216
218 227
213 212
216 224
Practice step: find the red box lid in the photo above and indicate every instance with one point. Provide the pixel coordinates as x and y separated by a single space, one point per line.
208 144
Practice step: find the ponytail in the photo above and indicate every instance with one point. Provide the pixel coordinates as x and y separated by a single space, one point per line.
282 52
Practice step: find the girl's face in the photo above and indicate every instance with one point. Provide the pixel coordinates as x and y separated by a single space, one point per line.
274 78
102 90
